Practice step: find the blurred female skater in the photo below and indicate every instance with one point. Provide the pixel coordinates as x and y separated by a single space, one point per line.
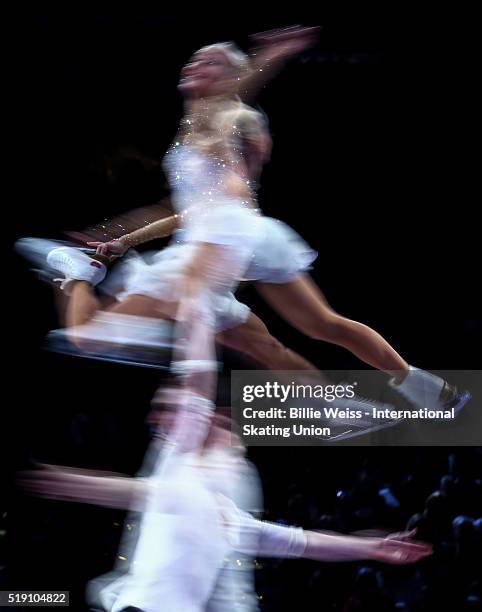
212 166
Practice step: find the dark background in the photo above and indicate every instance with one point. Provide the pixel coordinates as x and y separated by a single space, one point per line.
370 165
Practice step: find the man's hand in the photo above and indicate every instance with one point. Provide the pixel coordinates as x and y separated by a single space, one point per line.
399 548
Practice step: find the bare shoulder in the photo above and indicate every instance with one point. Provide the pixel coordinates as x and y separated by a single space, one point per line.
243 118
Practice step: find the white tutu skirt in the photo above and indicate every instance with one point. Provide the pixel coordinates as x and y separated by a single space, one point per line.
265 249
281 256
229 223
274 252
156 275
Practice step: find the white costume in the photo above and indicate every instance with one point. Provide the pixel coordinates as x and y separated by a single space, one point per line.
191 525
255 247
280 257
234 588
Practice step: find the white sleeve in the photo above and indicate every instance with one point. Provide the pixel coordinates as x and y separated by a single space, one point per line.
269 539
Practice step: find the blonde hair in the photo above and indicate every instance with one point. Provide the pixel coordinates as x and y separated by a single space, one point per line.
236 58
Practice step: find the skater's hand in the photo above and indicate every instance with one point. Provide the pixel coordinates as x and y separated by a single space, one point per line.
113 247
399 548
268 54
287 41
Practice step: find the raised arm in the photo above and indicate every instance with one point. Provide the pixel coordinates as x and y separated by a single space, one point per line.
269 54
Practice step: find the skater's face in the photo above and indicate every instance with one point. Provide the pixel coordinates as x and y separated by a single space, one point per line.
160 422
163 411
206 74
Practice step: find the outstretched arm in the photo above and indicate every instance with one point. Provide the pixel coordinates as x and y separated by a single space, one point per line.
269 54
79 486
273 540
114 236
157 229
124 223
395 550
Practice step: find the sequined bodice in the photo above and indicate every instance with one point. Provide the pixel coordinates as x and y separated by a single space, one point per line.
196 179
206 164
